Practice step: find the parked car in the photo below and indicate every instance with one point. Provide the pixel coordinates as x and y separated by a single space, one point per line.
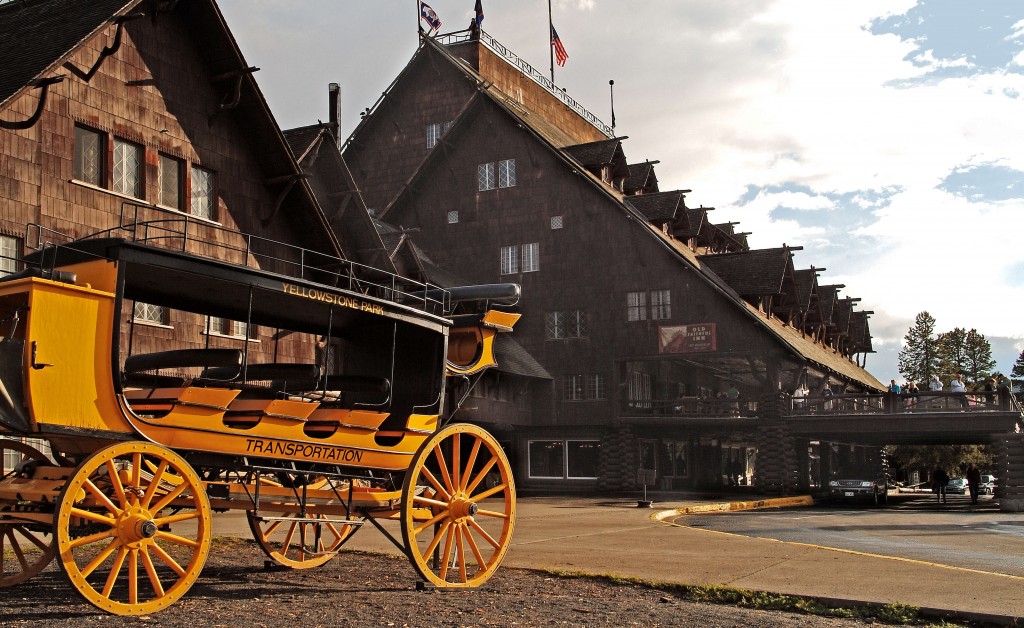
988 485
957 485
859 482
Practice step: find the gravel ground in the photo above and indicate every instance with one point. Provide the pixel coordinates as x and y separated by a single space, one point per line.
359 589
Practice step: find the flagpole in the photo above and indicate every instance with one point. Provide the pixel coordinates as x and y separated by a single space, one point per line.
611 93
419 26
551 46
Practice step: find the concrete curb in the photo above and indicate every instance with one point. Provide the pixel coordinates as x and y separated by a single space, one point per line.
777 502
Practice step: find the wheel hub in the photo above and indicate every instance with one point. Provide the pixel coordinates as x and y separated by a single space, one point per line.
462 508
134 526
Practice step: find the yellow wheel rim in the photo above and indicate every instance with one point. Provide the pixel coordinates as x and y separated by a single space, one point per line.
458 507
25 548
298 543
113 523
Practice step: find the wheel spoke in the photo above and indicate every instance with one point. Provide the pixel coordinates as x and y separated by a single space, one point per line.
92 538
168 560
170 497
115 543
435 519
115 481
100 497
473 546
460 554
439 455
18 552
491 491
30 536
154 579
115 569
437 485
483 533
469 464
481 475
446 560
429 549
136 470
89 515
430 502
456 461
133 577
176 539
492 513
181 516
158 475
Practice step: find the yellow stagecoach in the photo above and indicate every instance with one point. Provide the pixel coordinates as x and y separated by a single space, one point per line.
309 392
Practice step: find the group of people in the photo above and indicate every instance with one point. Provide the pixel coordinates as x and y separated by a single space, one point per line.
940 481
956 385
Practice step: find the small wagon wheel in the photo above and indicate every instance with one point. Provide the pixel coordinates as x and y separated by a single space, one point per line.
299 542
113 528
458 507
25 548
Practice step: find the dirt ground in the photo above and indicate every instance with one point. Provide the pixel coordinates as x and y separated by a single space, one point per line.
360 589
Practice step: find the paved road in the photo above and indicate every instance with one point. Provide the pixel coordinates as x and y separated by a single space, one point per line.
912 527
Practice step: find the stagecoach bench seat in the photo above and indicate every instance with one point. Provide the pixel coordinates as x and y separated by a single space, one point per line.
184 358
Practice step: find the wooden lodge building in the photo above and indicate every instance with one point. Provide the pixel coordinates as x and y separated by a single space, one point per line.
121 111
666 338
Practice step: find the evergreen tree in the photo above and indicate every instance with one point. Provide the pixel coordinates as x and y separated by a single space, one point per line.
979 365
952 353
919 357
1017 374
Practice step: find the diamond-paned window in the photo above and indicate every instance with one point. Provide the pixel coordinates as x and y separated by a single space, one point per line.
485 177
168 180
507 173
149 313
127 168
556 222
202 193
88 158
453 217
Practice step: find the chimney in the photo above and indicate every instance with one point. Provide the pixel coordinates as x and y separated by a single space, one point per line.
334 111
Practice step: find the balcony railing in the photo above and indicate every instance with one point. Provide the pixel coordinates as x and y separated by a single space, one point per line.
896 403
691 407
516 61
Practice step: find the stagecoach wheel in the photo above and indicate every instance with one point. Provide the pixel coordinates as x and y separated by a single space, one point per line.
458 507
25 549
113 528
296 542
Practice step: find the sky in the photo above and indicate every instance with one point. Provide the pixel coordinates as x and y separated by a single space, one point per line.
885 137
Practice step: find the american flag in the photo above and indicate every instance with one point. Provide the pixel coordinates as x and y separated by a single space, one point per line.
427 15
560 54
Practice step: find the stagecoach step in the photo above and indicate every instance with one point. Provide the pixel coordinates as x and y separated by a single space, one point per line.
350 522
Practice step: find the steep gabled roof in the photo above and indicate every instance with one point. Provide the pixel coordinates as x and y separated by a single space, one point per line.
806 280
828 296
860 333
601 153
36 34
660 207
753 273
551 136
642 179
302 139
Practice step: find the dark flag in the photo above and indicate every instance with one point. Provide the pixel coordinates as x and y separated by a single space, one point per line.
479 13
427 15
560 54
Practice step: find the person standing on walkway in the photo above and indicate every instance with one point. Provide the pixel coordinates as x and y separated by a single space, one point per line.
911 392
958 386
935 384
973 482
940 479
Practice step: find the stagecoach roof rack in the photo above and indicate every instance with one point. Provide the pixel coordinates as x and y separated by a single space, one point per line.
175 231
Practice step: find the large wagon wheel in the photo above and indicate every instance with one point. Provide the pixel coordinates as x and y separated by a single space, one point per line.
25 548
113 528
458 507
299 542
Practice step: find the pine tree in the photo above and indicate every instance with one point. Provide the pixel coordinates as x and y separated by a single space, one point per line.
919 357
1018 369
952 353
979 365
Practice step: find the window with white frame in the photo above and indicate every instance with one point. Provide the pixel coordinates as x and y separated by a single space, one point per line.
149 313
433 134
128 161
531 257
10 252
89 156
202 193
507 173
218 326
661 305
584 387
569 324
510 260
485 177
564 459
636 306
453 217
168 182
520 258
